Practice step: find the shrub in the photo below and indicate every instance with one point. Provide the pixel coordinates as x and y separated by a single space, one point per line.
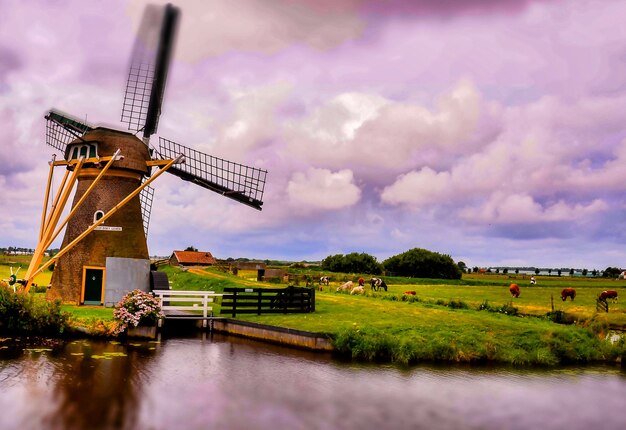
135 308
24 313
352 263
421 263
507 309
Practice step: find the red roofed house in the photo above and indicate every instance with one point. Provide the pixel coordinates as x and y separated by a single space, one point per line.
192 258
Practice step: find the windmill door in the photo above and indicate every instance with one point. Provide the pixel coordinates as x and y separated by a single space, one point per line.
93 286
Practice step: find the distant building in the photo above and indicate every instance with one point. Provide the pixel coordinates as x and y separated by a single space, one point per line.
192 258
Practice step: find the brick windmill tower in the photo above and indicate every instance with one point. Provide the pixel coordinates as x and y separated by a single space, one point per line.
104 253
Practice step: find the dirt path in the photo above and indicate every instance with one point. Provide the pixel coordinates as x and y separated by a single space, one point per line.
214 275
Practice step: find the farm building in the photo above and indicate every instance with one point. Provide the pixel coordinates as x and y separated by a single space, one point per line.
192 258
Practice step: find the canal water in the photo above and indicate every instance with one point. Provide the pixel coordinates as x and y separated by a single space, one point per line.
216 382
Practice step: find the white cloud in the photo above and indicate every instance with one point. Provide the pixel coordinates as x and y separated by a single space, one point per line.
323 189
425 187
213 27
369 130
523 209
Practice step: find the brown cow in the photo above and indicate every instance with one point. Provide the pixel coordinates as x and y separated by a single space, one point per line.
514 289
568 292
410 293
609 294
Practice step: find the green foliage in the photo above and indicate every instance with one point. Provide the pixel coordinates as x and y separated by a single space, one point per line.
421 263
507 309
560 317
611 272
25 313
352 263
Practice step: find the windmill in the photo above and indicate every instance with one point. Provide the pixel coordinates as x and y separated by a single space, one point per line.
104 252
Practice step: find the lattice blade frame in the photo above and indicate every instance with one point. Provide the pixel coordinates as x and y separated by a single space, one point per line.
146 196
236 181
62 129
148 68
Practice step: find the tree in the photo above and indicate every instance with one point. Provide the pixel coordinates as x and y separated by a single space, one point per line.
505 271
191 248
549 272
536 271
352 263
571 272
498 270
517 271
422 263
585 272
594 272
559 272
612 272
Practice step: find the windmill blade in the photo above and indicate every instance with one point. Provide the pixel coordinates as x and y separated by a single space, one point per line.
148 69
61 129
236 181
145 198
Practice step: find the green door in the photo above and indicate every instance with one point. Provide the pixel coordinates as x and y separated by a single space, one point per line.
93 286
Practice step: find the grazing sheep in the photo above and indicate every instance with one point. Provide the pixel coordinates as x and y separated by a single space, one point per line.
346 287
358 290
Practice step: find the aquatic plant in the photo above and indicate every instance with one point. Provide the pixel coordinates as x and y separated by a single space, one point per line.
137 307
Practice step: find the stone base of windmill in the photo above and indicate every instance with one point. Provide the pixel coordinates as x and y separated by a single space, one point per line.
142 331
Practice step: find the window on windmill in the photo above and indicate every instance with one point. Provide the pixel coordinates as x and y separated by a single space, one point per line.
97 215
74 153
83 151
92 151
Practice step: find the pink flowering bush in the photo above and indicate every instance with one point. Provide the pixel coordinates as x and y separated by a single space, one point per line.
137 307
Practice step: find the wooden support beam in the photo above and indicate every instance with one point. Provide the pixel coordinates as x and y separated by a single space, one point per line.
83 198
46 198
106 216
73 162
52 220
157 163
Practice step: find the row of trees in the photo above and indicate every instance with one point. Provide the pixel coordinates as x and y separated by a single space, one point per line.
416 262
609 272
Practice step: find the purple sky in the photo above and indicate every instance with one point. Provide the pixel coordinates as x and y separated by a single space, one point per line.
489 130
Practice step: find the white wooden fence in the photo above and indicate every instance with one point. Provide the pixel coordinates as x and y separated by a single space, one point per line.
194 301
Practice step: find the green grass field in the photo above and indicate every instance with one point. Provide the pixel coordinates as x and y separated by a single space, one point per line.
372 328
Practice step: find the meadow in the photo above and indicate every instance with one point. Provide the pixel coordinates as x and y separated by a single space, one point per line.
442 322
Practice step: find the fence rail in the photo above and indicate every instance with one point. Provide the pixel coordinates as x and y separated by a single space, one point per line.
267 300
177 304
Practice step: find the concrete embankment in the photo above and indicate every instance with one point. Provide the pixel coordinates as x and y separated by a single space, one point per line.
261 332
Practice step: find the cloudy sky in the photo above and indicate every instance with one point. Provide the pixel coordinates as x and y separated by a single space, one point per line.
490 130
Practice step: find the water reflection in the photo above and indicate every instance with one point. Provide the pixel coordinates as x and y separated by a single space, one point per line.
72 385
228 383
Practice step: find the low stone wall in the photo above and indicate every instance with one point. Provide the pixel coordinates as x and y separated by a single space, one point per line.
280 335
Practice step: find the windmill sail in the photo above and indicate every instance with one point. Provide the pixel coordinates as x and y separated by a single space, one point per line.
145 198
242 183
61 129
148 69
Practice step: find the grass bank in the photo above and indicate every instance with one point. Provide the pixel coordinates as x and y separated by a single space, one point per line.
384 327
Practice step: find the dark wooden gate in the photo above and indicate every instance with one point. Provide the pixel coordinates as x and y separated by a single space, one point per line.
602 305
267 300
